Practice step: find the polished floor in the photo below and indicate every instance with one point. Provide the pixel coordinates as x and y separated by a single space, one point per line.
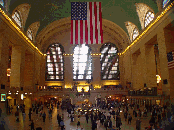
51 124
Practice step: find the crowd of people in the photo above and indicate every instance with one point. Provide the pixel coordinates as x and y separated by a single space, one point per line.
110 116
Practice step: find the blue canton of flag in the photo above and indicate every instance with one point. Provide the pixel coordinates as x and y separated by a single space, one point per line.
78 10
170 57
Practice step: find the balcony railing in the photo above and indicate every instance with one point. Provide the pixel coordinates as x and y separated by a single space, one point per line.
143 92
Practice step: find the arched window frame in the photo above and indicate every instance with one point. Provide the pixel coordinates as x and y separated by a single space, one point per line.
30 33
135 33
147 21
107 65
85 74
56 71
165 2
17 18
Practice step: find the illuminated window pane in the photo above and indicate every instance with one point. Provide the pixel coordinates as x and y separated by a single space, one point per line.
30 34
50 72
17 18
2 2
109 61
135 33
54 63
148 18
165 2
82 62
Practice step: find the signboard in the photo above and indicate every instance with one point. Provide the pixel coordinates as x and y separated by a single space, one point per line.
3 97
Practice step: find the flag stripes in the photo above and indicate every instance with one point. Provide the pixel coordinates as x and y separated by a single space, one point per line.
86 23
170 57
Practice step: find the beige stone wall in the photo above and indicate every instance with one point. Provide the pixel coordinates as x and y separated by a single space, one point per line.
143 64
4 56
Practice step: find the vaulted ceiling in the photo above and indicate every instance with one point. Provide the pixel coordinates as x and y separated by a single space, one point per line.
47 11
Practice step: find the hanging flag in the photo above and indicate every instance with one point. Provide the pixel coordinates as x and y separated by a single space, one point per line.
170 57
86 23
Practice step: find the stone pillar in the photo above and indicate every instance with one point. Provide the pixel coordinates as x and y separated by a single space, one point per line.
17 66
163 61
137 70
96 70
122 71
151 66
68 72
42 70
4 56
29 72
159 85
143 65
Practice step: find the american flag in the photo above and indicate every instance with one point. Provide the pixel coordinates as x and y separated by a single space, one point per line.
170 57
86 23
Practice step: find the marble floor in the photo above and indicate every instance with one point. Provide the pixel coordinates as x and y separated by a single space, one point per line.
51 124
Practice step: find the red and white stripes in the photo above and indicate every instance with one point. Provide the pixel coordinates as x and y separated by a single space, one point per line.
88 31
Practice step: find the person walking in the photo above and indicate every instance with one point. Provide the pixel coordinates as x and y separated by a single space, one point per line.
135 114
129 119
110 124
94 125
106 124
91 117
118 122
59 120
29 114
125 115
78 123
87 117
44 116
17 116
138 124
23 114
98 123
62 125
50 113
32 125
0 112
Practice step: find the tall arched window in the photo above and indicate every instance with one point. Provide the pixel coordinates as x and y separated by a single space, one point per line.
82 62
54 63
2 3
17 18
135 33
148 18
109 62
165 2
30 34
